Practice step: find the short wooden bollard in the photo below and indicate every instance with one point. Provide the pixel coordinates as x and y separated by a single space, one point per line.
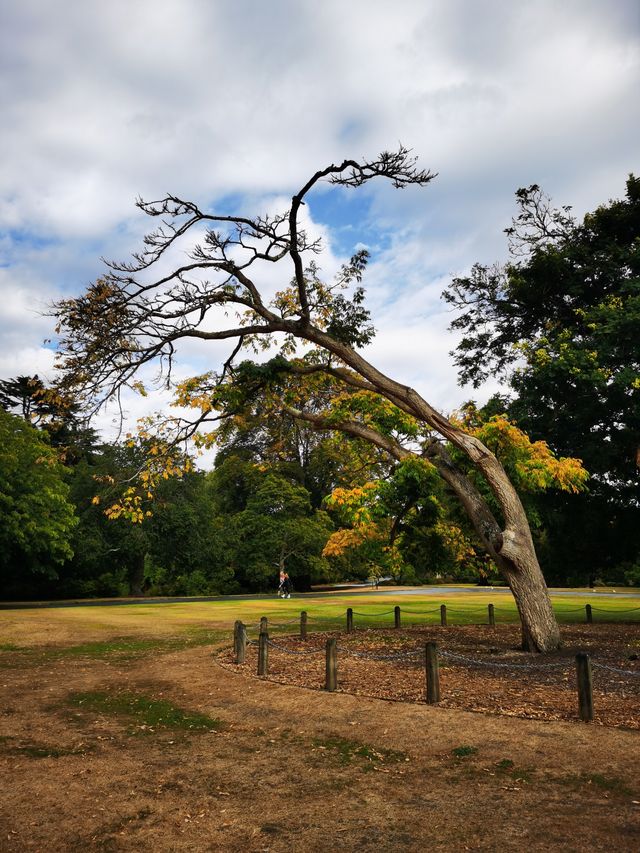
264 625
585 688
239 641
263 654
303 625
589 613
432 672
235 640
396 617
443 614
349 620
492 615
331 668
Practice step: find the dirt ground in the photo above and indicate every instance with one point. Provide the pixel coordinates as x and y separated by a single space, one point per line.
279 767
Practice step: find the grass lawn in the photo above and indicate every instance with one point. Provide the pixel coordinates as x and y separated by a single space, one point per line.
126 628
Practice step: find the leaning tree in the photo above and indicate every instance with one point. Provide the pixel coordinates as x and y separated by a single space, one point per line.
197 270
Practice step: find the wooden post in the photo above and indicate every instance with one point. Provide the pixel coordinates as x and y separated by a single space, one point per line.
240 641
492 615
432 673
264 625
263 654
331 668
235 640
585 689
349 620
443 614
589 613
303 625
396 617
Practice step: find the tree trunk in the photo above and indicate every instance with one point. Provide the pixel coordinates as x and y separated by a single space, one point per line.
540 631
509 544
136 576
518 561
512 547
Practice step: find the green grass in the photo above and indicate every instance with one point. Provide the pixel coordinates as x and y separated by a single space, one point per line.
118 648
518 774
145 712
38 750
467 607
464 751
345 750
609 784
141 629
131 647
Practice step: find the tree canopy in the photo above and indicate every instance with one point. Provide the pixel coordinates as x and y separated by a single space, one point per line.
36 517
141 310
560 322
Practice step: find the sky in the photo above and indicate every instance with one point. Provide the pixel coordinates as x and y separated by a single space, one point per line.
236 104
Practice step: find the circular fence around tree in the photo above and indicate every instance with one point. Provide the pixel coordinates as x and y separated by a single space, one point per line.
444 656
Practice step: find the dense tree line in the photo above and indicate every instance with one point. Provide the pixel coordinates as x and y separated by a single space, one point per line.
274 500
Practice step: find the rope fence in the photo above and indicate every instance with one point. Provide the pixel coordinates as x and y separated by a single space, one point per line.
430 655
445 611
615 609
500 665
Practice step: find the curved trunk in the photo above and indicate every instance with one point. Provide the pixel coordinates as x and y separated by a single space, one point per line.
540 631
511 547
517 558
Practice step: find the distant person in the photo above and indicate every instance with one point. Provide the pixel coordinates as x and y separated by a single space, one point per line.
286 586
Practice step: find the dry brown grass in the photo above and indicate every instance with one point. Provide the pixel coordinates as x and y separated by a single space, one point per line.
284 768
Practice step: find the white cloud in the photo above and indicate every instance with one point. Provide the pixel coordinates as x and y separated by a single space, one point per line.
230 98
26 361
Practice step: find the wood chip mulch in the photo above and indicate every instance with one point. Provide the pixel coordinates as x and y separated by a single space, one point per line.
497 678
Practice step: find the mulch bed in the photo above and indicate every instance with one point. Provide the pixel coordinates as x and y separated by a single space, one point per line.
494 678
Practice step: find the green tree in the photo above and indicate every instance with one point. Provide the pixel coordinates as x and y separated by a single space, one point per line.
263 432
171 549
36 517
560 322
23 396
187 543
57 414
270 524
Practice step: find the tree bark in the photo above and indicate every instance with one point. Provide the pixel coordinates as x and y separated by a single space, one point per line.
540 631
136 575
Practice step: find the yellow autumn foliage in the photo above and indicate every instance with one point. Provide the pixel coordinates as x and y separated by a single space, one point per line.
532 464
